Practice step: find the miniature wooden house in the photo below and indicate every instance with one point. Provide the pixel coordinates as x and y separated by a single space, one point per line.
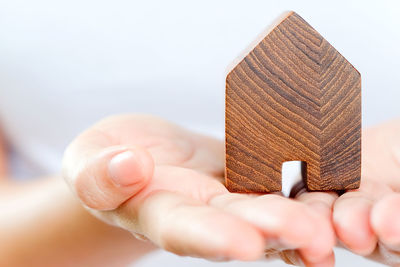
293 98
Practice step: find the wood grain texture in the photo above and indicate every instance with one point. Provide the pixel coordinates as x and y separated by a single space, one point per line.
293 97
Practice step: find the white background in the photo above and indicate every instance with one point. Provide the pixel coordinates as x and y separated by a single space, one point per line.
66 64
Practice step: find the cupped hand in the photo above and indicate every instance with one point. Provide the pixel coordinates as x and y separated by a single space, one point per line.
165 184
367 220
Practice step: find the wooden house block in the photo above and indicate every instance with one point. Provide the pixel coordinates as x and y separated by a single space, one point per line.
293 98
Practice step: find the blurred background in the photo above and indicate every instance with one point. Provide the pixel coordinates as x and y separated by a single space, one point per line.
66 64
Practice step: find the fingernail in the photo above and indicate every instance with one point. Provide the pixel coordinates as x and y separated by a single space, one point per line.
125 169
140 237
291 257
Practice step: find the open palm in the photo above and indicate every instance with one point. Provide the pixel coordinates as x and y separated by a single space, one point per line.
165 184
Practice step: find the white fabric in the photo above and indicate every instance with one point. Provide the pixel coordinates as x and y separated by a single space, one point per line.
66 64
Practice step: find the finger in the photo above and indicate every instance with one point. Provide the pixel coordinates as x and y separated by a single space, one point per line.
351 217
273 214
385 221
293 257
188 227
386 255
321 202
351 222
327 261
320 248
293 224
103 178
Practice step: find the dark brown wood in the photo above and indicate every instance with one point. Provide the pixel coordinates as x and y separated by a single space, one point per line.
293 98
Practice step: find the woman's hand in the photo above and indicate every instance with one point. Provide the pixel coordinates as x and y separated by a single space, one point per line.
367 220
164 183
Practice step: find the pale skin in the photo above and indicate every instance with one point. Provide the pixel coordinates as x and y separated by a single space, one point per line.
367 220
43 225
163 183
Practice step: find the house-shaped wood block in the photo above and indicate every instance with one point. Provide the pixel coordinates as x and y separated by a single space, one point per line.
293 98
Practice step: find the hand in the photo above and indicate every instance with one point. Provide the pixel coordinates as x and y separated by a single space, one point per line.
165 184
367 220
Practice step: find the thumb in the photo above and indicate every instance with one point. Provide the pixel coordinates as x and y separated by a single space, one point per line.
105 178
